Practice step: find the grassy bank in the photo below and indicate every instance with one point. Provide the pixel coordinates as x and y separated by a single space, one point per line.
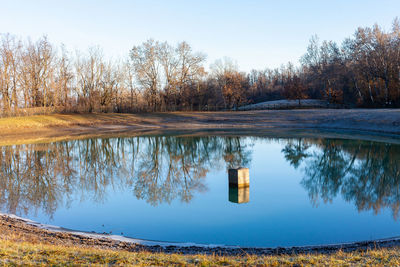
49 128
64 120
25 253
25 244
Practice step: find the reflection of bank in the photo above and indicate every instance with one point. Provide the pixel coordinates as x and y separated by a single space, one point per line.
239 185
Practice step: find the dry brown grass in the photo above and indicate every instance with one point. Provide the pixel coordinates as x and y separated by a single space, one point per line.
23 244
25 253
63 120
50 128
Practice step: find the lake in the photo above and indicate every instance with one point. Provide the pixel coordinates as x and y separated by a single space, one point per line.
303 191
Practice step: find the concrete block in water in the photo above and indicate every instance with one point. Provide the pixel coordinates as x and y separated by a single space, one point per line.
239 177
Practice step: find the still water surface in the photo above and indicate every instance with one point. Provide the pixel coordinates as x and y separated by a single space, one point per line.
171 188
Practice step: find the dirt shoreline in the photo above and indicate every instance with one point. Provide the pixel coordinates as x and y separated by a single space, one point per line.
20 230
377 122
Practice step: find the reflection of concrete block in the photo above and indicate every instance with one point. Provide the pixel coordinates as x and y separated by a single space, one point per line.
239 194
239 177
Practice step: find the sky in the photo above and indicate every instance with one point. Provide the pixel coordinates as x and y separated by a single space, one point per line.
256 34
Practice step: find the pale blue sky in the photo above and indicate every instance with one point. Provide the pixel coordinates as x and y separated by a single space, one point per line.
257 34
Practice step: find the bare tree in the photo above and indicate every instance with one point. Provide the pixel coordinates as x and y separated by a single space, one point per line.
89 72
147 70
10 50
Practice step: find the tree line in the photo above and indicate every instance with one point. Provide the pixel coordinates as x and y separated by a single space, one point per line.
37 76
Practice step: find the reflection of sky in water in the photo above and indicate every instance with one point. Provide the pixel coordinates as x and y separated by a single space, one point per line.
280 212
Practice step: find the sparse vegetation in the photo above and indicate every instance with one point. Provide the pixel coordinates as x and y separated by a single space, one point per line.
24 244
26 253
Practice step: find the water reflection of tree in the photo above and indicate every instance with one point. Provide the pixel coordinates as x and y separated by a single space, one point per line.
157 169
295 151
366 173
